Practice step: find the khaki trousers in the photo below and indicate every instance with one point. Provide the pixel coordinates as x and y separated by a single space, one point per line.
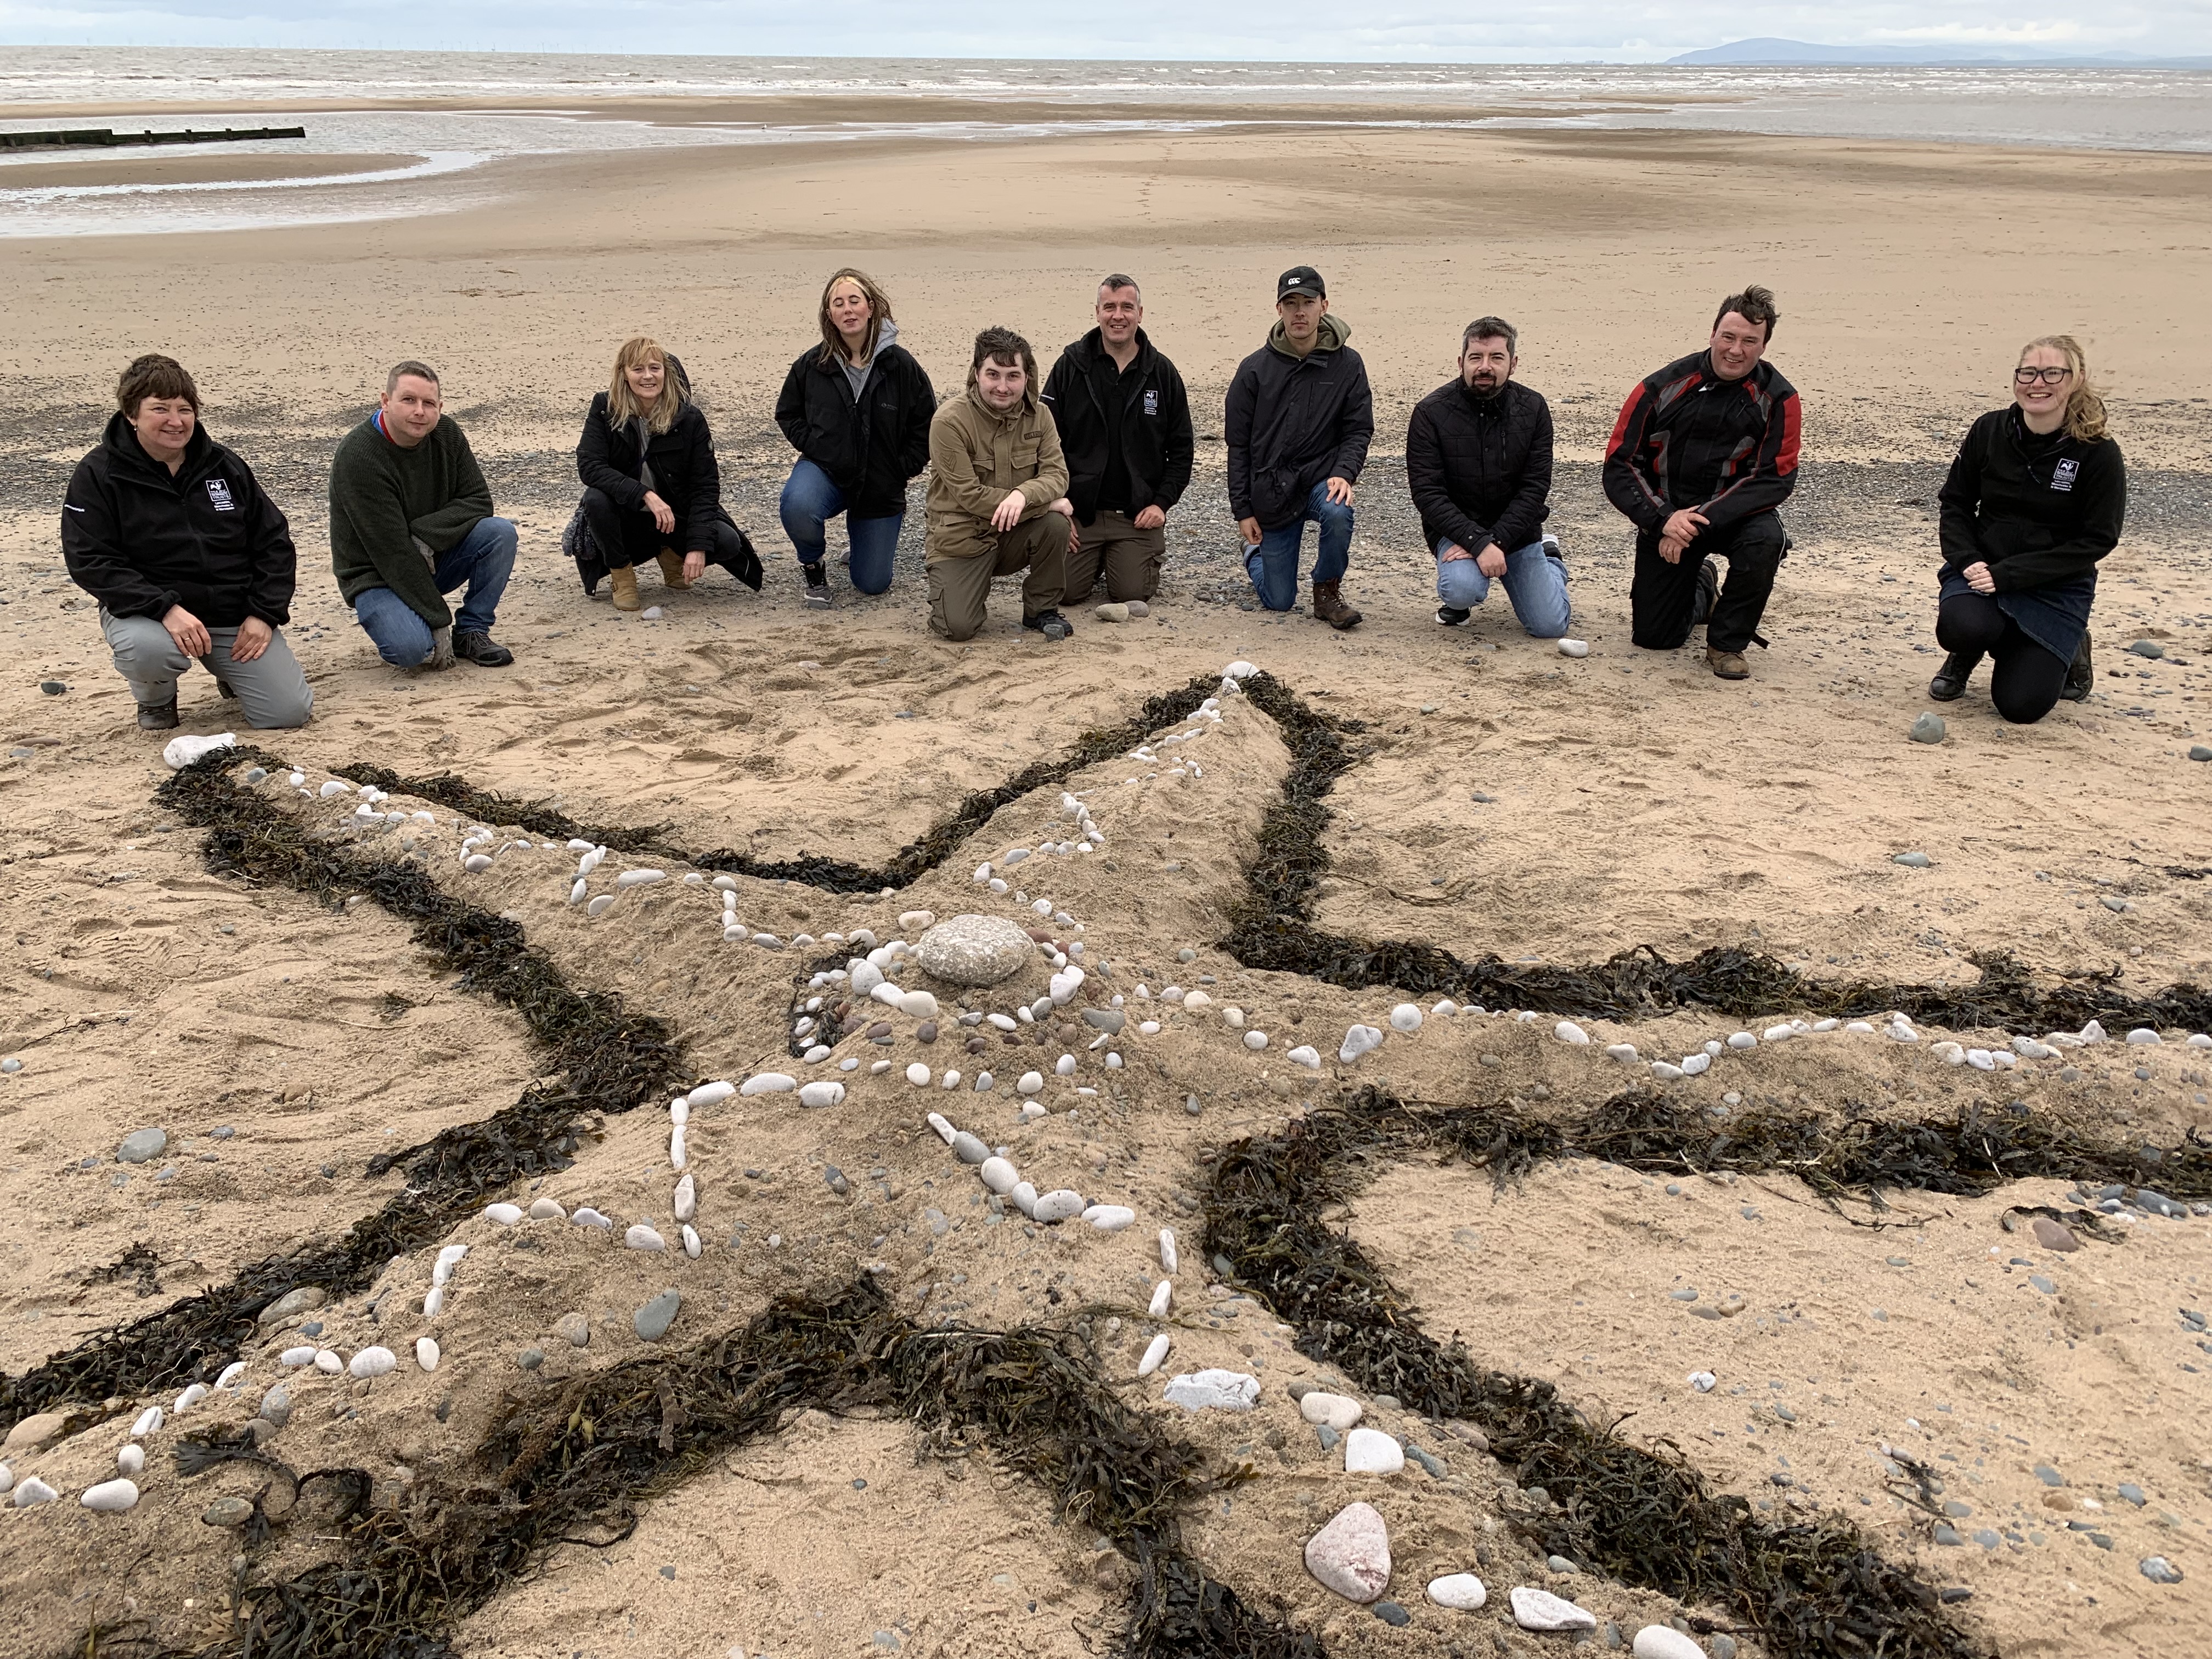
1131 558
958 587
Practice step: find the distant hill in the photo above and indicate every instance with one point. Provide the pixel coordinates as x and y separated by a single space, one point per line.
1771 53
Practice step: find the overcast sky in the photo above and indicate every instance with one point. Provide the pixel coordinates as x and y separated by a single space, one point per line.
1416 31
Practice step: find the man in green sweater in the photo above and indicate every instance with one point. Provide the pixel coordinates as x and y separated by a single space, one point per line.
410 522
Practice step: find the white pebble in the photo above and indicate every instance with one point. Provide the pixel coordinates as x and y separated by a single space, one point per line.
302 1356
1703 1382
600 906
1109 1217
1696 1064
1359 1040
1148 1028
1161 1294
1462 1590
328 1363
1030 1082
1666 1071
505 1214
111 1496
441 1270
1405 1018
1256 1040
1156 1351
1024 1198
1743 1039
642 1237
372 1362
1664 1642
919 1004
547 1209
191 1397
149 1421
131 1459
769 1083
1625 1052
231 1375
1168 1249
434 1302
426 1352
1573 648
1059 1206
586 1216
710 1094
32 1491
821 1094
1334 1411
1567 1031
1064 1067
477 863
640 877
1305 1055
686 1203
1370 1452
999 1175
576 892
334 787
1537 1609
691 1242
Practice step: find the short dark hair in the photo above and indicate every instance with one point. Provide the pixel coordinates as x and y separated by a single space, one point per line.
1116 279
1490 328
1754 305
409 370
154 376
1002 345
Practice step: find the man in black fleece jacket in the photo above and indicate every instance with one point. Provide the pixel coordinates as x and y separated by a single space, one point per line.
1297 422
1124 423
1703 452
189 559
1478 463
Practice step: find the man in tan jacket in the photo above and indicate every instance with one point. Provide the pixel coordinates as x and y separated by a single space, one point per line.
998 494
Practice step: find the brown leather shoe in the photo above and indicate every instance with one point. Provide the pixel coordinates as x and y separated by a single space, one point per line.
624 581
1328 606
671 569
1727 665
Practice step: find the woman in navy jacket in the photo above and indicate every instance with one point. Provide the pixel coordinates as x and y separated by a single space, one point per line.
2035 499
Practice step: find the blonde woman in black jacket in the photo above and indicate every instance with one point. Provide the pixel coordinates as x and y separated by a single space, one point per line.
651 483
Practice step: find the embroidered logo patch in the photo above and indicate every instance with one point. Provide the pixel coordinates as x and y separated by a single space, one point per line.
219 494
1152 403
2062 475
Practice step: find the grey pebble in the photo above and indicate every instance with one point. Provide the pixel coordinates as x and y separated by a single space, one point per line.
1432 1464
1486 800
834 1179
1987 1539
276 1406
530 1358
1913 860
1560 1564
1721 1647
1105 1019
2133 1494
1674 1190
142 1145
2158 1570
1391 1613
1190 1104
2197 751
575 1328
1929 728
1688 1293
2150 648
52 688
1328 1436
2049 1476
228 1512
1949 1535
668 1572
223 1131
1387 1403
311 1328
968 1148
652 1321
1186 955
11 1066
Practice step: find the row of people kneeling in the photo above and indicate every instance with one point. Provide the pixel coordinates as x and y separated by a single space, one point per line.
1069 481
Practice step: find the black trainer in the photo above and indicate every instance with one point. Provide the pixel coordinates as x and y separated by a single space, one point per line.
157 716
1050 624
817 586
1709 593
481 649
2081 674
1452 615
1950 682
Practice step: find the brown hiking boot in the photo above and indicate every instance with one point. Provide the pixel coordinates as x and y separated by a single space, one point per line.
671 569
1727 665
1328 606
624 583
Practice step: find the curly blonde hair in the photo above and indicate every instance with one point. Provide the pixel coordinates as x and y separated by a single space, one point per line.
2085 404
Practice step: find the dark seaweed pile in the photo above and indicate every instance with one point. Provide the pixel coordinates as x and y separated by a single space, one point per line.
606 1058
1639 1514
908 865
577 1465
1271 927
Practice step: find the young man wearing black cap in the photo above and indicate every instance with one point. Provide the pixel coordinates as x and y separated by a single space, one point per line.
1299 421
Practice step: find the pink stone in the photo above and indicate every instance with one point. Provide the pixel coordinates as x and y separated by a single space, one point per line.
1351 1554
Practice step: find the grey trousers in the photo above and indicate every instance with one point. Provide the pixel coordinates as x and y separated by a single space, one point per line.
272 691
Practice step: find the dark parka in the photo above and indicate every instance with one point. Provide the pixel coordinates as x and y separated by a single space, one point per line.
869 446
1290 421
141 540
1157 442
684 472
1480 467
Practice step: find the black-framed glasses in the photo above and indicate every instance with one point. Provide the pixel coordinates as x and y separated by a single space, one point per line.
2027 374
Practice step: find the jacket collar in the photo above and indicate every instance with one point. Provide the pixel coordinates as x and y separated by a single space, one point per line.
1092 348
1495 403
121 442
1027 404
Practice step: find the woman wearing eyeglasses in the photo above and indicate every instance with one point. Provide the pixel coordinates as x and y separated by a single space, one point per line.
2034 499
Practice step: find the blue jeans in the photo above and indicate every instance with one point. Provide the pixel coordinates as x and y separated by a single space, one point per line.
1274 564
1534 581
484 559
808 501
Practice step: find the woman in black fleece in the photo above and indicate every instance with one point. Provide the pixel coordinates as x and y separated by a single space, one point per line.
2033 501
651 484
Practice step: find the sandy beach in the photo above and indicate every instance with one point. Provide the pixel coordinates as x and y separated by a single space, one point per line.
1504 799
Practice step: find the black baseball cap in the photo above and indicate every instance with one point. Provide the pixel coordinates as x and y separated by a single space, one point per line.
1300 279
